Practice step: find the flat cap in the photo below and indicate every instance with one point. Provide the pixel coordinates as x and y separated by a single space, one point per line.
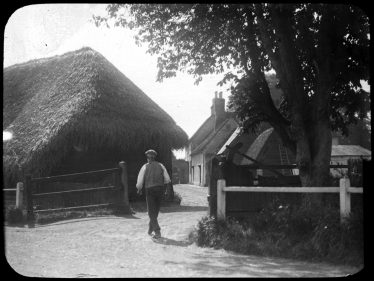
151 151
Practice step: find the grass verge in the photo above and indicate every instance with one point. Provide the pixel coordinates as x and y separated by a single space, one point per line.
65 215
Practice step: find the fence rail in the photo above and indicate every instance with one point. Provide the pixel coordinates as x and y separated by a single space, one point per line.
74 208
112 187
289 189
121 183
10 189
288 166
69 176
344 191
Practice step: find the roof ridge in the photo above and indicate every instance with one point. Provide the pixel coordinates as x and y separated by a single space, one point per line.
209 137
212 135
46 59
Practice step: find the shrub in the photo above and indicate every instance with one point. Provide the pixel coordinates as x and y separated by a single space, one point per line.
14 215
341 242
221 234
209 232
293 232
175 200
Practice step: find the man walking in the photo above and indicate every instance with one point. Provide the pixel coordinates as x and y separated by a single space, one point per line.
153 176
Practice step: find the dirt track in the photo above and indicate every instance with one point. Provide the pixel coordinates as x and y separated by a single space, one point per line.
119 247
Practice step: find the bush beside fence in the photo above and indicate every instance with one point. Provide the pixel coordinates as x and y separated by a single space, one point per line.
289 232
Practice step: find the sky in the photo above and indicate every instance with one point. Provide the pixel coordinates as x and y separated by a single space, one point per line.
46 30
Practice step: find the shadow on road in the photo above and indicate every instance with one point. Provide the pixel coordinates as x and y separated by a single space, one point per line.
253 266
172 242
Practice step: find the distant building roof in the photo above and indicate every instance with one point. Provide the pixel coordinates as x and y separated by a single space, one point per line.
204 130
216 138
349 150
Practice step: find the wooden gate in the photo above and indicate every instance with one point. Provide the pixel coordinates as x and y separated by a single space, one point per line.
115 194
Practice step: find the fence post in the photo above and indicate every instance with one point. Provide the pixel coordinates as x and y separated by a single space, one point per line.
221 199
19 195
29 202
345 198
212 193
124 180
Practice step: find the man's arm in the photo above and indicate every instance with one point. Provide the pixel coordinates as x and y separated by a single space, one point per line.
166 175
140 181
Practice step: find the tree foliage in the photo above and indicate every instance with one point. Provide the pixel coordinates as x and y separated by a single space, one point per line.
320 53
325 43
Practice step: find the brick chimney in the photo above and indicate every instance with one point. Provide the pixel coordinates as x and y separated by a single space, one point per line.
218 109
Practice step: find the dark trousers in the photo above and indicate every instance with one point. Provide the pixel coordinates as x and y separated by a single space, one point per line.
154 196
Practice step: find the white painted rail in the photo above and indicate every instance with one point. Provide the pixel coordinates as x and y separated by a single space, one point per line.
344 191
19 194
280 189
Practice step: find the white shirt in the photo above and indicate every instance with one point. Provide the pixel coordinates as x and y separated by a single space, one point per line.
140 181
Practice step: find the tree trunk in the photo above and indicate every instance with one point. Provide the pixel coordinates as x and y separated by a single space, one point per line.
320 171
317 173
303 160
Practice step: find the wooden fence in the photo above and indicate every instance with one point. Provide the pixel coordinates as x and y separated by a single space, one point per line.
217 172
344 190
120 188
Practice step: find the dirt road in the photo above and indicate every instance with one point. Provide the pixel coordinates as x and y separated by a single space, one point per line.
119 247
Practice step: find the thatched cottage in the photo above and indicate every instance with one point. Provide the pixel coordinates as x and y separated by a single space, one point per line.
207 140
77 112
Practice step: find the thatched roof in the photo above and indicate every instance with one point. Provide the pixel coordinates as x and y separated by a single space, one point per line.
203 131
77 98
213 142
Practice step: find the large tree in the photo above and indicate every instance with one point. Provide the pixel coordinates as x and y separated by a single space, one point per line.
319 52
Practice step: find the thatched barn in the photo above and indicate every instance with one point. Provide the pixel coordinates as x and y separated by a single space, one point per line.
77 112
